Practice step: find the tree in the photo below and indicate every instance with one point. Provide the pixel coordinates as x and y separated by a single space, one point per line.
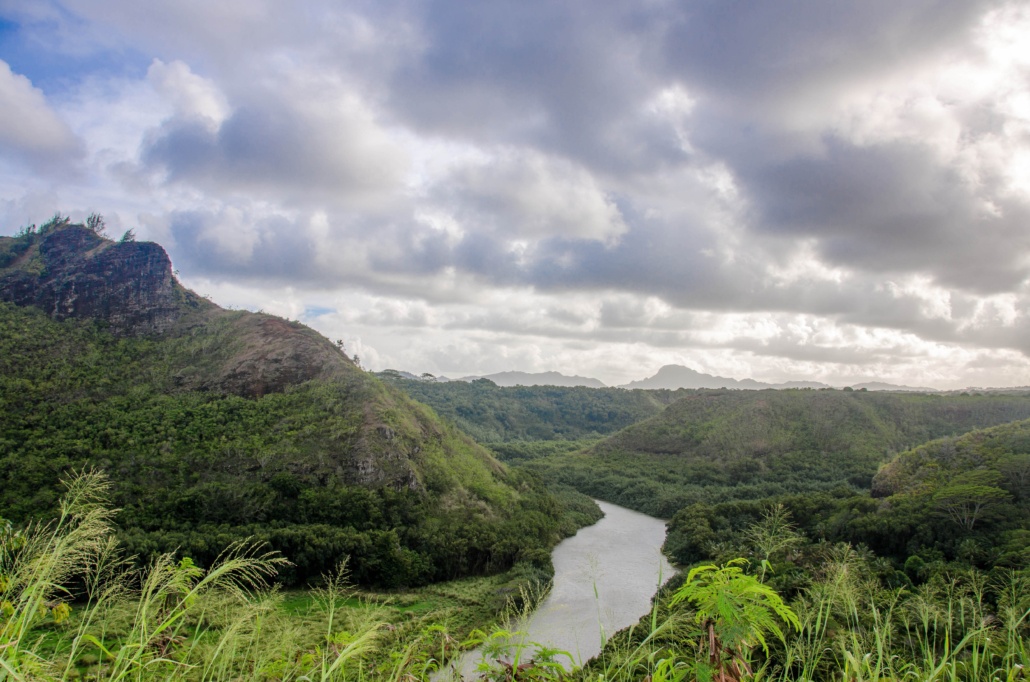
56 222
969 494
95 222
1016 469
735 611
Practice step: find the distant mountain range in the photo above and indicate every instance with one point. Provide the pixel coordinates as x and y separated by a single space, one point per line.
881 386
678 376
669 377
537 379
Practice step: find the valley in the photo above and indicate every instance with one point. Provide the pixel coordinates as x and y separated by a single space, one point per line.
188 492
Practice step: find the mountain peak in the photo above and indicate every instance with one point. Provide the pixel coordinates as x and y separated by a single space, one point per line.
673 377
71 272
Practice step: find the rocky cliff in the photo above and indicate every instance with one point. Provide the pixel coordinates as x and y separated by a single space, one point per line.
70 271
74 272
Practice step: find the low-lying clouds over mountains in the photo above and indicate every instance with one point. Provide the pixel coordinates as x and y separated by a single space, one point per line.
777 190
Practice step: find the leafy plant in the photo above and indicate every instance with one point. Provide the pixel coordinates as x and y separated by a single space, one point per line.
736 612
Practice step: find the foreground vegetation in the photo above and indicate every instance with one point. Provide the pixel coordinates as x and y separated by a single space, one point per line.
70 608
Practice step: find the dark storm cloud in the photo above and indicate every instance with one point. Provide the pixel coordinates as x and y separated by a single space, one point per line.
570 77
574 80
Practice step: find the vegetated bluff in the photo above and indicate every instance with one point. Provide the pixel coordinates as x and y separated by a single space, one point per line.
219 425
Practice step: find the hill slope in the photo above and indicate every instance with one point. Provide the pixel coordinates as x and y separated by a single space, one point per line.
964 498
715 445
494 414
218 425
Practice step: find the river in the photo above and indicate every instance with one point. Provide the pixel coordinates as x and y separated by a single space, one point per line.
604 578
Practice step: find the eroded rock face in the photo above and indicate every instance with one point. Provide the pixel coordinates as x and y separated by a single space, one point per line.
76 273
272 353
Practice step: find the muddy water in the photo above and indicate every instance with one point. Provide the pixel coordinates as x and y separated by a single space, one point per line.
604 579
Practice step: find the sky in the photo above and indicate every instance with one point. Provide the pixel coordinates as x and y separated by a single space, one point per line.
782 190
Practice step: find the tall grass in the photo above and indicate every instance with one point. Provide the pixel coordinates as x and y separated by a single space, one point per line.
172 621
72 608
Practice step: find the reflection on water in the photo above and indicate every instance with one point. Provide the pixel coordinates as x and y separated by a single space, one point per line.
604 578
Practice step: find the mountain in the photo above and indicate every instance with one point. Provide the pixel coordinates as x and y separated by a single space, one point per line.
215 426
537 379
881 386
801 384
71 272
672 377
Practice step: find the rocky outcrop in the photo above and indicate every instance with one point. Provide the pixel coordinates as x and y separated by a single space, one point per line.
73 272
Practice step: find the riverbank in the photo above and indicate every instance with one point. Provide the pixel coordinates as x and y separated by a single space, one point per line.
604 579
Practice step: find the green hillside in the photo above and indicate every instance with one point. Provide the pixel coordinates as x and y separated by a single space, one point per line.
495 414
720 445
215 426
963 499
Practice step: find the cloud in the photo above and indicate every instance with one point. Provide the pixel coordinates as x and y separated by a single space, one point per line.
570 77
894 209
749 188
527 195
30 129
193 97
327 147
800 53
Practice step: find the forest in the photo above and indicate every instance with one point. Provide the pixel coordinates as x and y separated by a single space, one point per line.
495 414
196 471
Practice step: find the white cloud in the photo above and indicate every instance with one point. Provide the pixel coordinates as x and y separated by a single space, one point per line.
192 96
30 129
526 194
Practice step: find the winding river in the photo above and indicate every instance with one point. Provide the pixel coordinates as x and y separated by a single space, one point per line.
604 578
